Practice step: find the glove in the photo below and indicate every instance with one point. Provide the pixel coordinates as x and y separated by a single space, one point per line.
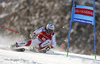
34 36
48 48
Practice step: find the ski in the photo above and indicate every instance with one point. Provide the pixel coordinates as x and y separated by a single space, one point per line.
18 49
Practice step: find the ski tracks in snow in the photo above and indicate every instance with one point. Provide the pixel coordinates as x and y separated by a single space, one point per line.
13 57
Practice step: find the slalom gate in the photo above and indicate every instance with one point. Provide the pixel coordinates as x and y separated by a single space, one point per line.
83 14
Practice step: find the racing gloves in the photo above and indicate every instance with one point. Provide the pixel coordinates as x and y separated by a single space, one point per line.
48 48
34 36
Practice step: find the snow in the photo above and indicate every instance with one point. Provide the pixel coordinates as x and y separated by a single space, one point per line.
4 4
3 15
27 57
8 56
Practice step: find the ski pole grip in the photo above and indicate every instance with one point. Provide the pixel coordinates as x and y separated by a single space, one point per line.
30 36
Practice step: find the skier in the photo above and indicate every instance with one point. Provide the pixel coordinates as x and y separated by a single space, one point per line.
45 40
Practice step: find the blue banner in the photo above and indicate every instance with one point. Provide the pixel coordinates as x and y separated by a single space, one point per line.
83 14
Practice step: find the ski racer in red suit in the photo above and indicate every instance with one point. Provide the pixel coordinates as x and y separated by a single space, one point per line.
45 37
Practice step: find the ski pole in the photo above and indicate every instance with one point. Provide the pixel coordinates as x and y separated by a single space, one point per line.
15 31
11 30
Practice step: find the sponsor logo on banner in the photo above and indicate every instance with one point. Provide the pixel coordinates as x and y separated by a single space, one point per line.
82 21
86 12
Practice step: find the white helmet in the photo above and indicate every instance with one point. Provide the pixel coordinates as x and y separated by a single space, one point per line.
50 28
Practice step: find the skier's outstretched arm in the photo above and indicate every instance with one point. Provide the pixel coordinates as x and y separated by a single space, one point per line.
38 30
53 41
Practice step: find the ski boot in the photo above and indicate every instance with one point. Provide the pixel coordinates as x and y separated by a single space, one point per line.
14 45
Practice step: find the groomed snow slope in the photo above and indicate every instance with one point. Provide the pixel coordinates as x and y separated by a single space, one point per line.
27 57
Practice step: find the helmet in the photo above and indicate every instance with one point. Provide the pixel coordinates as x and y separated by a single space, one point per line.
50 28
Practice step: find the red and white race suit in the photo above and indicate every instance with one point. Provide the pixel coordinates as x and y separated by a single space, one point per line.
44 39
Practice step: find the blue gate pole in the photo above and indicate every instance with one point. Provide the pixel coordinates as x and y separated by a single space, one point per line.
69 38
70 27
73 2
94 30
94 4
94 43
